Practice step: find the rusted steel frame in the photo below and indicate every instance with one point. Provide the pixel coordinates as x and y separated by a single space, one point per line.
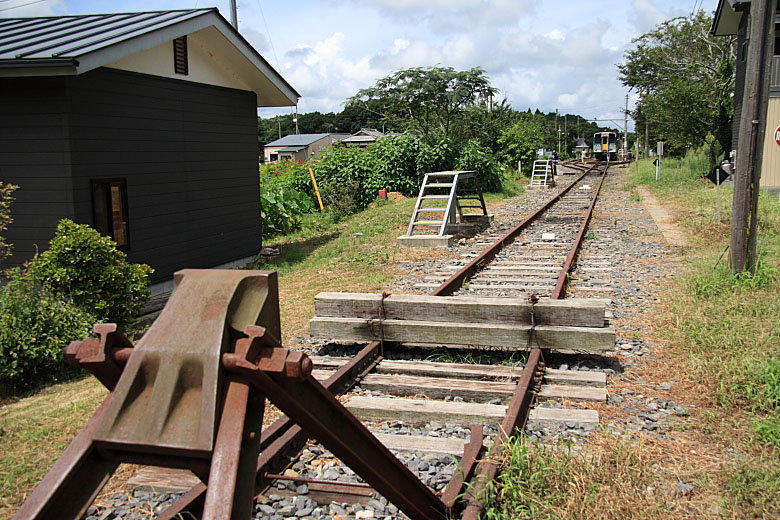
311 406
515 418
465 469
304 480
563 278
74 480
455 282
228 495
284 436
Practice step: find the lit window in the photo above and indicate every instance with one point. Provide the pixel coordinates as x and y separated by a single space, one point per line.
109 210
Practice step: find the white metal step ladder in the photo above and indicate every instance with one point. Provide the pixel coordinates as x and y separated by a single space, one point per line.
443 197
541 175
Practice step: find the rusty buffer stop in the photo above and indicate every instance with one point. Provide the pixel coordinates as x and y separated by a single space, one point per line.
191 395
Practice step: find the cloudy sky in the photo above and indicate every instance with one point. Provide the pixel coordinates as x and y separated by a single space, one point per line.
539 54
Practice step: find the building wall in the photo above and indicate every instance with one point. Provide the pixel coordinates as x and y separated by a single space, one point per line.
187 151
770 166
315 149
189 155
35 155
204 67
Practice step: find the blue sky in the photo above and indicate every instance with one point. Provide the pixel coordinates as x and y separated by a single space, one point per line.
539 54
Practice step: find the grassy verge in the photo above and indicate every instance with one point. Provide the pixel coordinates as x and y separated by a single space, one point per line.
720 336
356 254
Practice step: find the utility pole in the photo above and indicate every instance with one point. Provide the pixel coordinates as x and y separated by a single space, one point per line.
558 130
647 140
565 132
625 127
233 15
279 124
752 128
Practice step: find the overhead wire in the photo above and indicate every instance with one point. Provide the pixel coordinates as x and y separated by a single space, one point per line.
21 5
268 33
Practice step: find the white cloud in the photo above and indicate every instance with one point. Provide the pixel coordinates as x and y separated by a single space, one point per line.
444 16
324 76
555 34
646 15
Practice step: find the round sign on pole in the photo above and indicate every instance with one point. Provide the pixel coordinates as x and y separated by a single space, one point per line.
777 135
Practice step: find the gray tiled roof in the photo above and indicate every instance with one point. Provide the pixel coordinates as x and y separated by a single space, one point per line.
67 37
297 140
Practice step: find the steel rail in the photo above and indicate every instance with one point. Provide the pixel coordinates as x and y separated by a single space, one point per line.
563 278
530 380
515 418
455 282
284 436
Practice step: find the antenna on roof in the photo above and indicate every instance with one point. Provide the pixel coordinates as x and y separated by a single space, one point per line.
233 15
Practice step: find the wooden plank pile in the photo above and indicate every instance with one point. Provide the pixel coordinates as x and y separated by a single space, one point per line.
572 324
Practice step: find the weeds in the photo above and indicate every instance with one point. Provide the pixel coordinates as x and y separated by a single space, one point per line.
542 482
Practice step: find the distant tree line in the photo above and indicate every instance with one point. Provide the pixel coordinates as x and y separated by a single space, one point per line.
441 103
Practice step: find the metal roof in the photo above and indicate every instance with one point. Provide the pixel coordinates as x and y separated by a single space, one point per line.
68 37
76 44
297 140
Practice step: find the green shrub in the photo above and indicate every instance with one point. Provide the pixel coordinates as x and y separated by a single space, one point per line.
480 159
341 199
85 267
287 174
5 217
34 328
395 163
282 210
341 166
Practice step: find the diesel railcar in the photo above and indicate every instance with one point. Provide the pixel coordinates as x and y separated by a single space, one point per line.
605 146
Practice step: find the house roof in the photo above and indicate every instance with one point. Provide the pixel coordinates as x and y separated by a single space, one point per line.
726 20
69 45
293 149
297 140
365 135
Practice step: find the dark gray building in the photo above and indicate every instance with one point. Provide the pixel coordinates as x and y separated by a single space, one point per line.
143 125
732 18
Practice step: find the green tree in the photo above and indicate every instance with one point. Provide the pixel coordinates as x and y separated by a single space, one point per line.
685 77
428 100
521 140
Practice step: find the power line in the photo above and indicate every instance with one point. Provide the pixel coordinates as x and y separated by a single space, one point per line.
22 5
270 40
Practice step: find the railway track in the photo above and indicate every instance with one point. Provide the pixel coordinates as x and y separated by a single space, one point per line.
424 410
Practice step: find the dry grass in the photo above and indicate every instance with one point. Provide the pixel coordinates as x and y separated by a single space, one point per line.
35 431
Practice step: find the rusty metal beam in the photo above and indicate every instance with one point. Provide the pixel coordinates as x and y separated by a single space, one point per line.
563 278
314 408
515 419
465 469
283 437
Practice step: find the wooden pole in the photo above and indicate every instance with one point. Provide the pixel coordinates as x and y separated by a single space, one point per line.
316 189
751 133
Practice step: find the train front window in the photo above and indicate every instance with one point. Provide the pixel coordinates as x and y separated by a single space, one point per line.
611 138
